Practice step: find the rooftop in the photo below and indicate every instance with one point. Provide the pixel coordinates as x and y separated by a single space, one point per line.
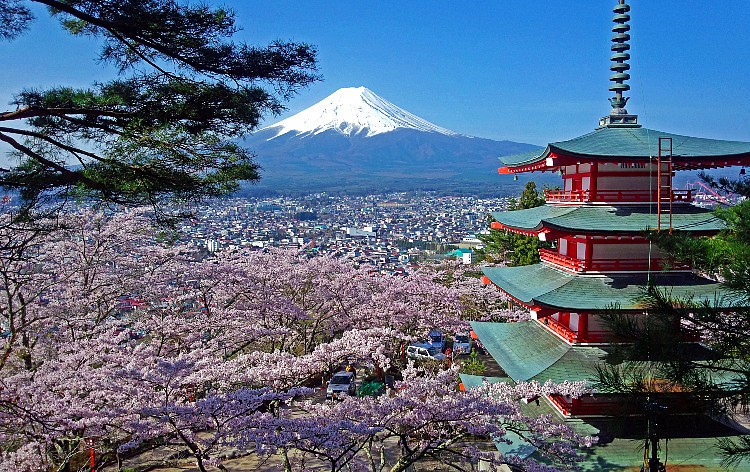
545 286
599 219
638 144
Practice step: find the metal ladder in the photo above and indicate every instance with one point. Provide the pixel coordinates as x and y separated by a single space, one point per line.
664 196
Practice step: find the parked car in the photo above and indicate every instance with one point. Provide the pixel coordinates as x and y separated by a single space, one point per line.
342 383
436 339
424 352
461 344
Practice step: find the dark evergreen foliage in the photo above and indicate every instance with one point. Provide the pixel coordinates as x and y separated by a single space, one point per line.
514 249
160 131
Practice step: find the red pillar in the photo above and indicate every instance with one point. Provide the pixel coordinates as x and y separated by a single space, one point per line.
592 182
589 253
583 326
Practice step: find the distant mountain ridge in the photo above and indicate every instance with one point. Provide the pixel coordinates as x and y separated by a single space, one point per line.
354 140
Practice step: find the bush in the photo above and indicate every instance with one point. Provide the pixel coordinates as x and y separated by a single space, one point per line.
474 366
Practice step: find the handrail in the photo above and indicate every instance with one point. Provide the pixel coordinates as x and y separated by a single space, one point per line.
639 196
558 328
559 260
562 196
607 265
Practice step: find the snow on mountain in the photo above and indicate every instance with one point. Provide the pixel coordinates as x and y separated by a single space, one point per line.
351 111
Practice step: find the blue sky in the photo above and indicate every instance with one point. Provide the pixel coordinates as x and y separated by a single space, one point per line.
512 69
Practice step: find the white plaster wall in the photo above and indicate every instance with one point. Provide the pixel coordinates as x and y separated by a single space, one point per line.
574 322
635 182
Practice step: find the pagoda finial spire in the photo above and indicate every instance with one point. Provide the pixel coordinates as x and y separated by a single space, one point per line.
619 115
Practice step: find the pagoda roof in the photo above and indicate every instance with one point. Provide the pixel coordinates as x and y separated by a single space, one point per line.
634 144
527 351
542 285
601 219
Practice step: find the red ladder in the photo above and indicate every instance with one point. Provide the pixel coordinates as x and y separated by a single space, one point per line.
664 184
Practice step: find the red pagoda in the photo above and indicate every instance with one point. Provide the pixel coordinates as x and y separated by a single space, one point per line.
616 186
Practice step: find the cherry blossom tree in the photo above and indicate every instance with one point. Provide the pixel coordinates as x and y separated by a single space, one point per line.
116 336
60 294
428 418
479 302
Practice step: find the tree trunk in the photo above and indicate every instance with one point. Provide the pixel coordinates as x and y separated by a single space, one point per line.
370 459
285 457
402 465
201 467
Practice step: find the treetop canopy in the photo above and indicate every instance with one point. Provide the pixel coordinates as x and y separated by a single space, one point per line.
161 130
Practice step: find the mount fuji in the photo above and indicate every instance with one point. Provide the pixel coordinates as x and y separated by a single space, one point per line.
354 140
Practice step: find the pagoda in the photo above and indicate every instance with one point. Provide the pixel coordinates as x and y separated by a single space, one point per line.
616 187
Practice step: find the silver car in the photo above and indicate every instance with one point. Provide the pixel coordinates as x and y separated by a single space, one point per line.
342 383
424 352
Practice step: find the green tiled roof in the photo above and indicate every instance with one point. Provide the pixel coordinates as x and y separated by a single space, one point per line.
578 364
526 351
692 443
522 349
613 143
540 284
526 283
691 454
608 219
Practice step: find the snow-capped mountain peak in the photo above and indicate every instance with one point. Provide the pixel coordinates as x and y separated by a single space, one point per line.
351 111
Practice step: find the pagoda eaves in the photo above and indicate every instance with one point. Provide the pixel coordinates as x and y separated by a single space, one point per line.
598 219
630 144
540 286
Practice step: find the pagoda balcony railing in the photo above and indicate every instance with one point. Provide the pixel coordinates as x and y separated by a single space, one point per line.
590 336
572 264
560 261
560 329
561 404
585 406
630 196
